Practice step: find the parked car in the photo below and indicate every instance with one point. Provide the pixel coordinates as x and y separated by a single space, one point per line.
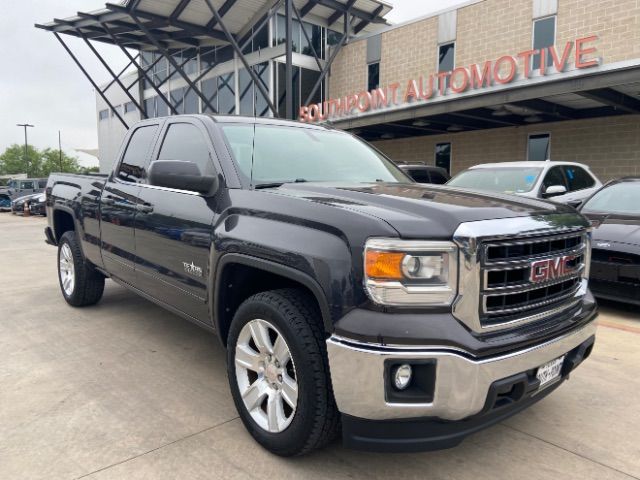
37 205
344 293
615 265
5 202
563 182
17 204
18 188
426 173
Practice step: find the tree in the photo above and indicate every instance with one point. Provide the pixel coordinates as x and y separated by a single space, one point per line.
51 163
13 161
41 163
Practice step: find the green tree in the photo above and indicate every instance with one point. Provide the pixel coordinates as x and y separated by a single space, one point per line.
51 162
13 161
41 163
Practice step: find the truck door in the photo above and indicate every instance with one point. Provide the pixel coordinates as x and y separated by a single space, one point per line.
173 227
118 203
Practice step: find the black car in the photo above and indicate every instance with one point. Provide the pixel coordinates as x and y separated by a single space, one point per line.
17 205
426 173
615 267
37 205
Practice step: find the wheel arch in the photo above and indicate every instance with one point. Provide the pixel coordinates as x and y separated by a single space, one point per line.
225 300
63 220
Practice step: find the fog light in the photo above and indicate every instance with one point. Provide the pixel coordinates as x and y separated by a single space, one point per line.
402 376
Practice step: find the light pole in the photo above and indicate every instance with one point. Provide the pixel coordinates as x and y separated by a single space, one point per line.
26 158
60 149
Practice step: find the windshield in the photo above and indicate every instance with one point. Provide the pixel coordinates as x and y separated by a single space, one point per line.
622 198
279 154
500 179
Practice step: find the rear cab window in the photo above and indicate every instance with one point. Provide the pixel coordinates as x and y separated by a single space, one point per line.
132 167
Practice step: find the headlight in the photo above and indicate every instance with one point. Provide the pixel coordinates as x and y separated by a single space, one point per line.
404 272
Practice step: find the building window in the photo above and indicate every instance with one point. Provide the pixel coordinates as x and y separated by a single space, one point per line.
103 114
538 147
544 35
443 156
373 76
446 59
129 107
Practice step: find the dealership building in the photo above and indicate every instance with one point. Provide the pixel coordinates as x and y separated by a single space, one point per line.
487 81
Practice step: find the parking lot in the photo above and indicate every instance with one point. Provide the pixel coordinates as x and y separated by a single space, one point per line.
127 390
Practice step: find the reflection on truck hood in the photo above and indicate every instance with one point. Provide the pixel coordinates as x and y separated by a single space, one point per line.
418 210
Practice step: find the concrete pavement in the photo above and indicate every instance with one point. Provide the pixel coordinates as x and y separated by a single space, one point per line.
127 390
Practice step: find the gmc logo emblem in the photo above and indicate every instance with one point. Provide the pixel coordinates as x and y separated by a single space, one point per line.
550 269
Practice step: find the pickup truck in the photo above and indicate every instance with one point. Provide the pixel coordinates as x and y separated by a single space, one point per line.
348 298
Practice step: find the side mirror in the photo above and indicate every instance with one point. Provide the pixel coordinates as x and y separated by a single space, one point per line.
181 175
554 191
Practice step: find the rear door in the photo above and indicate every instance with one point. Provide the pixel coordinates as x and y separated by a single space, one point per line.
173 227
119 201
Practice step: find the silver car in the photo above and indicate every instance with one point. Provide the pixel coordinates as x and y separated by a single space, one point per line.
563 182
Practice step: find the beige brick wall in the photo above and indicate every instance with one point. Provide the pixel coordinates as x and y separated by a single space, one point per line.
610 145
486 31
616 22
349 70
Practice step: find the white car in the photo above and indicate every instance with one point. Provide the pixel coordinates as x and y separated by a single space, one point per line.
563 182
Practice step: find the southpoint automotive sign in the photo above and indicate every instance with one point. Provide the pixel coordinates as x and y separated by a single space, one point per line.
502 71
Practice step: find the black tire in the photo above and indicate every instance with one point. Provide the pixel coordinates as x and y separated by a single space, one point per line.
316 420
89 284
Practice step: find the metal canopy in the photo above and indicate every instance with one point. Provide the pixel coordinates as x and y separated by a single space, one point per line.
188 23
167 26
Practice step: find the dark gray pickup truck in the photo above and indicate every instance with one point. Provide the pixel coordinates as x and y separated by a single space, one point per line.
349 298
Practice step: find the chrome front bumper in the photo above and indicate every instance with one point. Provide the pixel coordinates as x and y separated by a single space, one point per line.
462 383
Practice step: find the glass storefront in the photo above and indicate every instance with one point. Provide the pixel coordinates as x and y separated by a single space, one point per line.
235 92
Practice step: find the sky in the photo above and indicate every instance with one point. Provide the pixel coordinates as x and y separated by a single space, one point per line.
40 84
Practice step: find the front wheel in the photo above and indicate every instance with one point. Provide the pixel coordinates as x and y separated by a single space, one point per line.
80 283
279 374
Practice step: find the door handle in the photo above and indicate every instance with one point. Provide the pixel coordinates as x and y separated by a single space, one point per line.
144 208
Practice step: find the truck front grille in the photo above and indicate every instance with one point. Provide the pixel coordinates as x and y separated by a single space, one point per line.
508 288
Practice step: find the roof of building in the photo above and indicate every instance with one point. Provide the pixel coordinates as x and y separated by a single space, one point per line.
189 23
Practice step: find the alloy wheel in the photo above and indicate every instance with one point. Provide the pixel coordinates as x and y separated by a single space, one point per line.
266 375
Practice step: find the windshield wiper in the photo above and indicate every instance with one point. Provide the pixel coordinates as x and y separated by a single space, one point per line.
277 184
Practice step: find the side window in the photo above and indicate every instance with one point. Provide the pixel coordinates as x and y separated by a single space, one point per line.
553 177
42 184
134 159
184 141
420 176
577 178
27 185
438 178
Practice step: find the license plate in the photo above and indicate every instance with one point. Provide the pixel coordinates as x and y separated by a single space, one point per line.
550 371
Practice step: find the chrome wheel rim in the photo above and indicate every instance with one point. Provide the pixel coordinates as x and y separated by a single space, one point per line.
266 375
66 270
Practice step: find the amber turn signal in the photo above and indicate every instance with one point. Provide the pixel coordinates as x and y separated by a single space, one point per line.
384 265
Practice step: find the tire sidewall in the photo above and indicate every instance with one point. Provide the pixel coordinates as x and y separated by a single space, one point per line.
69 239
297 432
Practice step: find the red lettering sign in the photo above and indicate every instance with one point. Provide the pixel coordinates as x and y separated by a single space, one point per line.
504 70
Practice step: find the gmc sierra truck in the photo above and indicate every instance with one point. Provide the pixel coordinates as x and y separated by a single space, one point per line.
349 298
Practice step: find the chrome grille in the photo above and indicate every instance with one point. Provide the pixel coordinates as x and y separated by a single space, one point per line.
507 291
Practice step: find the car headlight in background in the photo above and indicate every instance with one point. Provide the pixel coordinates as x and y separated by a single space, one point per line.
411 273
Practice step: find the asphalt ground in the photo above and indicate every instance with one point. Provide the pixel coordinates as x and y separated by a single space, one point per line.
126 390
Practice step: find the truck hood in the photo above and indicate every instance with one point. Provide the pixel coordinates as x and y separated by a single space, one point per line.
616 229
416 210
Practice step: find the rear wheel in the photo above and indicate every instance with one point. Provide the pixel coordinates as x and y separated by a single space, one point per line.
279 374
80 283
